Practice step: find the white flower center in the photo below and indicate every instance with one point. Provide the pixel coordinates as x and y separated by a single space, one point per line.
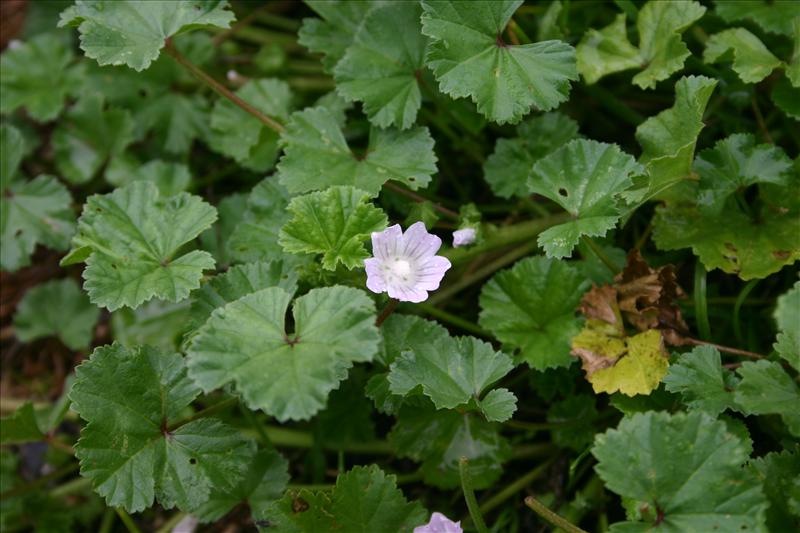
401 268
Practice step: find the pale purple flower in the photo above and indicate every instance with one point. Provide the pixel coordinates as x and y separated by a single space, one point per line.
463 237
440 524
405 264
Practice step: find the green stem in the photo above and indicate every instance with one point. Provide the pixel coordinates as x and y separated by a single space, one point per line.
515 486
700 305
607 99
262 36
483 272
455 320
220 89
311 487
170 524
500 237
737 325
449 213
600 254
130 525
551 517
292 438
71 487
469 496
208 411
537 451
255 424
31 486
107 521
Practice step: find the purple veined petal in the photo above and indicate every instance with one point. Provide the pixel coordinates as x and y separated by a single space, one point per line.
375 280
430 273
439 523
418 243
385 244
463 237
407 293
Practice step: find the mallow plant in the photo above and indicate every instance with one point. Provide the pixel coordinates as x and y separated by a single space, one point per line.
427 266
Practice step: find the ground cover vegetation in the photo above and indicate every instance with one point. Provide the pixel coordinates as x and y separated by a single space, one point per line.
400 266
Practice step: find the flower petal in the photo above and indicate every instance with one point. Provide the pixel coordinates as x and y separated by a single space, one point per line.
431 272
418 243
407 293
463 237
439 523
375 281
386 243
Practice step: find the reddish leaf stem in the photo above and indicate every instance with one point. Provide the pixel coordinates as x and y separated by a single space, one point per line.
388 310
220 89
419 198
721 348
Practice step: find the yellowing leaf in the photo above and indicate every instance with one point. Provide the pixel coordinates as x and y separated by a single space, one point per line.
640 371
614 362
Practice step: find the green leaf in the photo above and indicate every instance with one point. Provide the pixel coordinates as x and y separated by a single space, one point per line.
786 97
734 164
333 34
746 244
507 169
347 419
287 375
585 178
400 333
498 405
573 420
21 427
38 77
88 136
774 17
334 222
132 237
531 307
767 389
752 61
239 281
255 238
403 333
59 308
454 371
127 32
668 139
243 137
316 156
439 438
613 362
661 51
701 381
607 50
779 473
683 471
170 178
266 479
12 151
382 65
174 121
364 500
155 323
130 398
787 315
230 210
470 59
34 212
